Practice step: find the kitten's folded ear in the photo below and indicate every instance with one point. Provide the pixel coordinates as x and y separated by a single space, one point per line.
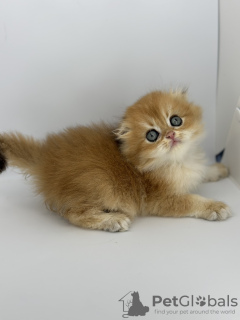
198 111
122 131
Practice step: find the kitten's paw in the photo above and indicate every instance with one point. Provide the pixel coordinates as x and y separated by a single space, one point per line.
217 172
117 223
223 171
217 211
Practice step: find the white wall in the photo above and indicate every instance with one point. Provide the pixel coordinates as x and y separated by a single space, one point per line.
75 61
229 68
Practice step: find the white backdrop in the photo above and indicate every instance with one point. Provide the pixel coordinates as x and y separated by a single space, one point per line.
229 69
76 61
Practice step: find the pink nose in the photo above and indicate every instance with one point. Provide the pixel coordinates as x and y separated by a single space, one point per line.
170 135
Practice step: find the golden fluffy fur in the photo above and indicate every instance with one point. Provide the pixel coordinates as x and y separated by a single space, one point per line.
103 176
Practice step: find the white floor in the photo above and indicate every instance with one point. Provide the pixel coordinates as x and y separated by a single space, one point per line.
51 270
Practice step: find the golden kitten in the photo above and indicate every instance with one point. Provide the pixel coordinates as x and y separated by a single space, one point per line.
102 176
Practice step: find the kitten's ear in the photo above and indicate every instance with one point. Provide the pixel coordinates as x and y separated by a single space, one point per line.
198 112
122 131
180 92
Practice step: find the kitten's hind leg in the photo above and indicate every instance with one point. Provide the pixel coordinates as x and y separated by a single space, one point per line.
216 172
95 218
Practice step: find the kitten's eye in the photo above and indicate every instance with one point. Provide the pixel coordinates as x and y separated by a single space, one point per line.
152 135
175 121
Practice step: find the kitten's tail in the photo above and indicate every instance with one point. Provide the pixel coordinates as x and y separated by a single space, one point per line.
19 151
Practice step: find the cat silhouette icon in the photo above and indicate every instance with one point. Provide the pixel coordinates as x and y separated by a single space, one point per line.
137 308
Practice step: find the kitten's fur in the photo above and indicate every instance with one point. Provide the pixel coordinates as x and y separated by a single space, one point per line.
102 177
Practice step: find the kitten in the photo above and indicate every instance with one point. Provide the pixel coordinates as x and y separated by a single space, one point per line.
102 177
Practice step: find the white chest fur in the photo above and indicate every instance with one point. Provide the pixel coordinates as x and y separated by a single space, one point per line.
186 176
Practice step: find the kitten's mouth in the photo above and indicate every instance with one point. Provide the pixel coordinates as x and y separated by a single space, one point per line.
174 142
173 139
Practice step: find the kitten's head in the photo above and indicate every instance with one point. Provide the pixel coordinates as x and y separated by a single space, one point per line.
159 128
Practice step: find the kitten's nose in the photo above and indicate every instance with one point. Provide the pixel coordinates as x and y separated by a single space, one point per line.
170 135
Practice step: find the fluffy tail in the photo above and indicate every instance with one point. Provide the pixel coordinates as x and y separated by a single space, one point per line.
20 151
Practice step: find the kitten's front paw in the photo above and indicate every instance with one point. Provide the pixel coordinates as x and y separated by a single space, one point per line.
116 224
217 172
216 210
223 171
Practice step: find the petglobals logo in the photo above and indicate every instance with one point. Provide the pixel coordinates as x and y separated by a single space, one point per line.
194 305
132 306
191 301
135 304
